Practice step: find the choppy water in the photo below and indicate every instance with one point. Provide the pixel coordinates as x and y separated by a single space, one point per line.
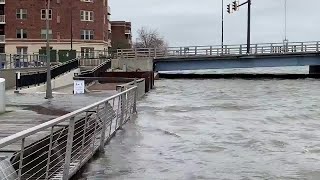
219 129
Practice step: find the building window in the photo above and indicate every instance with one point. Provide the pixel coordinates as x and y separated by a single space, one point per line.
22 50
44 34
43 14
87 34
86 15
21 34
21 14
87 52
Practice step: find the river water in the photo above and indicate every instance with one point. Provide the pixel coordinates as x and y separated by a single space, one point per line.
218 129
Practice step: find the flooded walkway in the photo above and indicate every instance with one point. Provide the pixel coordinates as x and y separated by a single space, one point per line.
28 110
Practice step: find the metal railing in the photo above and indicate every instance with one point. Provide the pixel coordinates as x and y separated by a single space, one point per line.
226 50
97 70
93 54
13 61
66 143
36 78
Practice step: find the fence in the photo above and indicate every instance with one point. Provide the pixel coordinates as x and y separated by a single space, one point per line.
93 54
11 61
266 48
36 78
69 141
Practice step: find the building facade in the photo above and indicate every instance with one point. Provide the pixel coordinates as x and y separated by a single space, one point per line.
81 25
121 34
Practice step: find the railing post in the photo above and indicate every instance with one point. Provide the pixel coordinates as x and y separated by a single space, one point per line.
155 52
317 46
122 103
302 47
135 96
21 159
66 168
103 130
195 50
180 53
210 50
149 52
135 53
240 49
49 154
256 49
271 48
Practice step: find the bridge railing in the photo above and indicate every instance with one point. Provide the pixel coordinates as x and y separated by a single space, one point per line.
66 143
240 49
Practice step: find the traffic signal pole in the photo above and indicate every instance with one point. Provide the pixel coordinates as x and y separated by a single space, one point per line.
249 27
235 7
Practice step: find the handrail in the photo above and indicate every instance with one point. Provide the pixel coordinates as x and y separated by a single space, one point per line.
57 149
36 78
23 134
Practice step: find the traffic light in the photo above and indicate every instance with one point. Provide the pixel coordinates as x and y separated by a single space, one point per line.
235 5
229 8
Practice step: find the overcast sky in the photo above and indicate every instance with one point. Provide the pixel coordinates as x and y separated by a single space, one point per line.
198 22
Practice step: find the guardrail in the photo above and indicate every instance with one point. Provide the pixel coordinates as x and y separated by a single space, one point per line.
69 141
189 51
36 78
14 61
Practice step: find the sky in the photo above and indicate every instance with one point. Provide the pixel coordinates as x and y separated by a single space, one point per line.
198 22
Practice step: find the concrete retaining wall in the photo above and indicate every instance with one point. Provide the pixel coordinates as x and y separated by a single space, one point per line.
141 85
10 75
139 64
60 81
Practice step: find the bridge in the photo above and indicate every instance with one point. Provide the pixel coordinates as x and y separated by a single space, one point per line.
230 56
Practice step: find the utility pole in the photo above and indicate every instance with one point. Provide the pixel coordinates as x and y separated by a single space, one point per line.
249 27
71 24
49 88
285 21
222 27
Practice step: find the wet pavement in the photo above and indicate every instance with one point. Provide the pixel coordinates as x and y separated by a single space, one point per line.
28 110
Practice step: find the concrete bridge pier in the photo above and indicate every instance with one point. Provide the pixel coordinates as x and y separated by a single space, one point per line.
314 69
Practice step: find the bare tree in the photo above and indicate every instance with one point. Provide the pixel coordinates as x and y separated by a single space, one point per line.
149 38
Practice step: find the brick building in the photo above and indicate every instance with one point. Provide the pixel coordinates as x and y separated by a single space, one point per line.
121 34
24 30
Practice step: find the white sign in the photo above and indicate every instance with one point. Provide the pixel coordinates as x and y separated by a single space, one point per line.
78 87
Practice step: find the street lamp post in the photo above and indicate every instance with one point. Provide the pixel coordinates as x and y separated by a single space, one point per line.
49 88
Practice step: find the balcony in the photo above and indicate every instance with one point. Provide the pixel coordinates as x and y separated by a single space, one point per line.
2 1
109 26
127 32
2 19
2 39
108 9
